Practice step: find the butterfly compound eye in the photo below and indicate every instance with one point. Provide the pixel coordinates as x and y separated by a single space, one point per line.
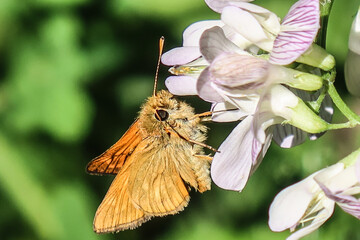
161 115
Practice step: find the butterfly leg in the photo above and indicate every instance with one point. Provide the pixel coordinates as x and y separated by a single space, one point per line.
205 116
206 157
188 139
201 144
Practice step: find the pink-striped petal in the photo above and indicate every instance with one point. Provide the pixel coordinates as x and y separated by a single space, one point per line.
348 203
298 31
181 85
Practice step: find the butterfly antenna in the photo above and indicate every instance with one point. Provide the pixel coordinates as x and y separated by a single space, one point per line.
161 45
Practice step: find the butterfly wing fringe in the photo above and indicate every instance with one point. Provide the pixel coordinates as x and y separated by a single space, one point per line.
111 161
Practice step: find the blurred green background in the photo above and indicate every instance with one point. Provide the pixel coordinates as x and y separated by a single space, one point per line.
73 74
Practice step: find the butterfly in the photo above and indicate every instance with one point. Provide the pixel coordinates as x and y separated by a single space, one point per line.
155 162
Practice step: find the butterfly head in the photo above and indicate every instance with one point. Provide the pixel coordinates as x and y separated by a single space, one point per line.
163 113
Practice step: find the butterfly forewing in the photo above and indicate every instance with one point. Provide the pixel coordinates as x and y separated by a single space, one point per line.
113 159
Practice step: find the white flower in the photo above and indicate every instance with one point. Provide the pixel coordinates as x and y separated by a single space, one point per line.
306 205
242 85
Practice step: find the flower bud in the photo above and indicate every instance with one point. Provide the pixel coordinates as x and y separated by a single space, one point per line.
352 62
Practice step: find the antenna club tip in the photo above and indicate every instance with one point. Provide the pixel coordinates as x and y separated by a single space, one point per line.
161 42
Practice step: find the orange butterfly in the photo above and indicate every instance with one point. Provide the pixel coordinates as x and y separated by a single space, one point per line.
156 160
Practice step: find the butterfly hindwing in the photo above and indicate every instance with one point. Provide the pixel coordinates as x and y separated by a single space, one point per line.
117 211
155 185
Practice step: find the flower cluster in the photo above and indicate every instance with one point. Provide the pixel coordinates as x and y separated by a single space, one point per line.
242 70
267 74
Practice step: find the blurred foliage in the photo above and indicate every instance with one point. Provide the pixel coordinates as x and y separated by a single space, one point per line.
73 74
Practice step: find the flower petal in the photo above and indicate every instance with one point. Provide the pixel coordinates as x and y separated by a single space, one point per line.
213 43
181 85
298 31
218 5
268 20
357 169
320 218
354 36
233 70
263 120
289 206
226 112
259 149
231 166
340 180
328 173
204 88
348 203
192 33
180 55
252 30
239 40
246 103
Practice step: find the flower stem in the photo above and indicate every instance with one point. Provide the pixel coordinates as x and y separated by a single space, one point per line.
315 105
325 8
335 126
354 119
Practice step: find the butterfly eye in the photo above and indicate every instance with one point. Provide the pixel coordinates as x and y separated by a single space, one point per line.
161 115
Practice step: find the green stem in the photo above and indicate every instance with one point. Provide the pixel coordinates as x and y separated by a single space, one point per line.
341 105
335 126
325 9
315 105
